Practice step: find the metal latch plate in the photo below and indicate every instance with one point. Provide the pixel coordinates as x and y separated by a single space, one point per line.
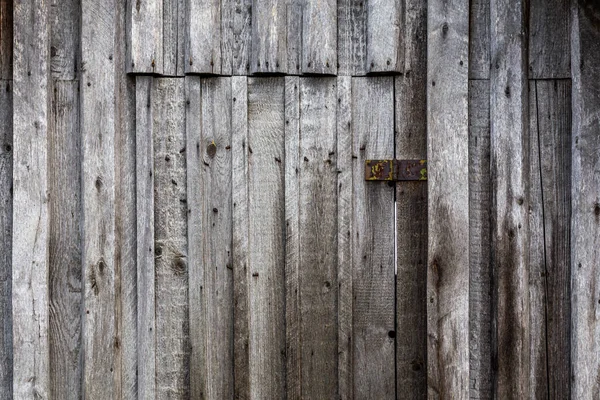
396 170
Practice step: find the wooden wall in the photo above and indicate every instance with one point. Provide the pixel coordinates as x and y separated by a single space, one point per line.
183 210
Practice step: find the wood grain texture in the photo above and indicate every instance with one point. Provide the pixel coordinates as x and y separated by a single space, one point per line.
145 39
241 36
509 174
352 37
385 36
448 185
294 37
319 37
203 40
239 195
65 33
480 267
266 243
65 283
170 239
6 204
585 221
411 209
549 43
269 36
6 39
31 112
174 34
479 39
345 236
373 250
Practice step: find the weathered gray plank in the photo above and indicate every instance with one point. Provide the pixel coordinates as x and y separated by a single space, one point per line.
385 36
203 42
479 39
64 148
6 204
174 34
266 260
294 37
170 239
239 154
97 115
411 209
480 274
145 38
146 276
64 50
227 37
319 37
585 222
345 228
31 101
269 23
352 37
6 39
448 185
549 45
373 250
509 173
241 35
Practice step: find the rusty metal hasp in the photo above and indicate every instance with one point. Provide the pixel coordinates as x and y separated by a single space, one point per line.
396 170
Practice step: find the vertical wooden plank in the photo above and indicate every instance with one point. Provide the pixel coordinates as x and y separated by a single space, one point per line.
64 148
170 239
480 268
145 39
98 183
352 37
509 173
242 36
385 36
294 37
203 42
345 236
549 46
146 277
227 45
6 208
6 39
269 28
448 185
585 222
266 260
319 37
479 39
411 209
174 36
239 154
373 252
64 50
31 374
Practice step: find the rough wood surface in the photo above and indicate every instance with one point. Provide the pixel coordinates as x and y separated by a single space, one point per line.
585 222
241 36
203 40
269 23
385 36
479 39
448 250
411 209
174 34
319 37
65 29
31 103
373 251
64 148
294 37
480 267
6 204
145 39
352 37
509 173
549 45
6 39
266 259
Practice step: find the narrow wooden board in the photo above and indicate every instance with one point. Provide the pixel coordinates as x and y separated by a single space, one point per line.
203 42
549 44
585 221
174 34
170 238
352 37
31 112
269 36
241 36
319 37
65 34
266 243
6 39
448 185
294 37
479 39
373 251
411 209
509 174
385 36
65 245
480 267
6 204
145 39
